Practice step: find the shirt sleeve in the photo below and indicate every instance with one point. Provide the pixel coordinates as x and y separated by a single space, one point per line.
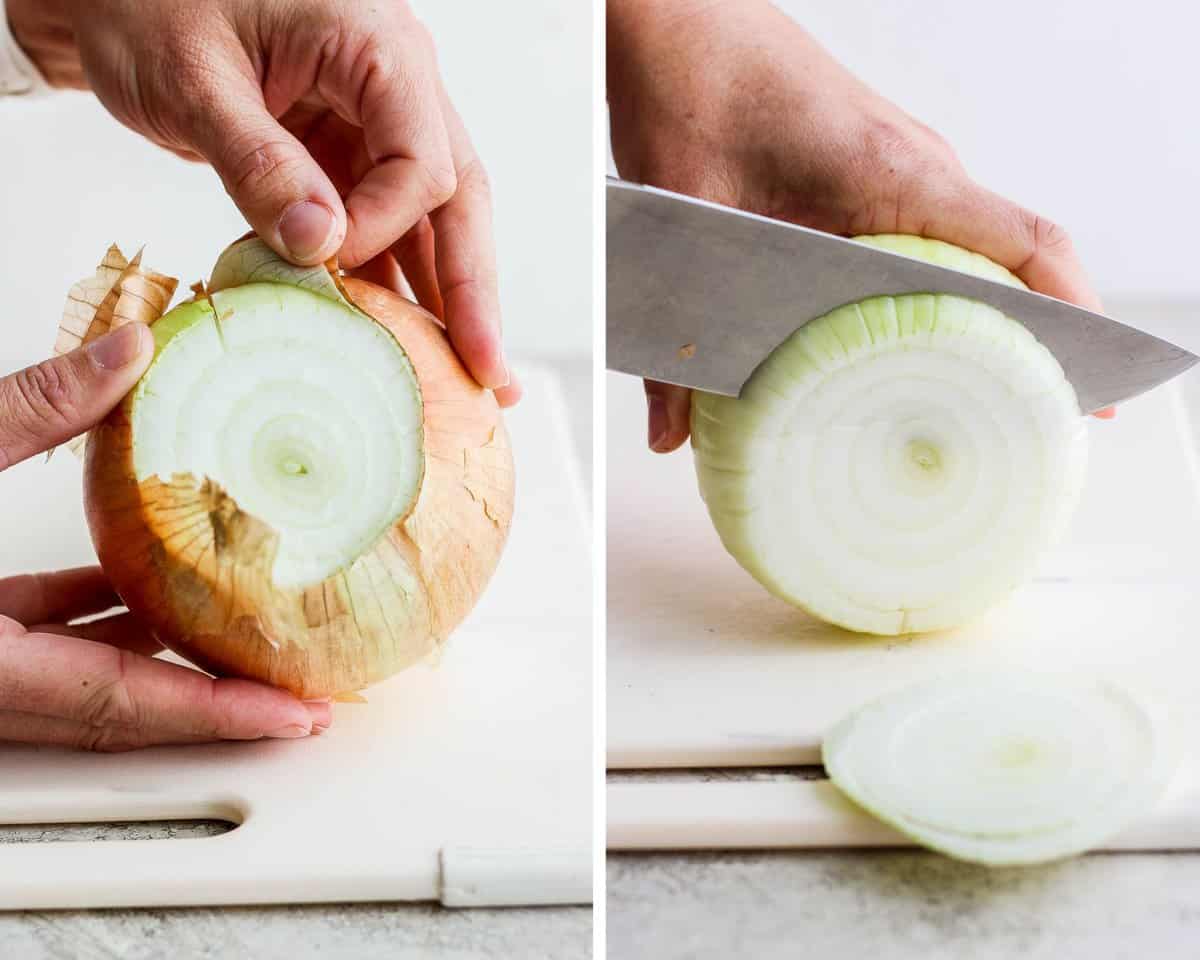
18 74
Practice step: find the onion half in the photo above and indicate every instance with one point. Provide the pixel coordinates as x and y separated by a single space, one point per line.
306 488
899 464
1006 767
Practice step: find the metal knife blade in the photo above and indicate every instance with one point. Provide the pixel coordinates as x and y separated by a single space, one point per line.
699 294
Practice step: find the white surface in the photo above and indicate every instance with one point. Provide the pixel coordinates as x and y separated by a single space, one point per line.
707 669
813 813
487 751
1072 108
72 180
502 877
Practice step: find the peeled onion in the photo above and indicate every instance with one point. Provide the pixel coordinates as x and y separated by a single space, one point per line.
306 488
899 464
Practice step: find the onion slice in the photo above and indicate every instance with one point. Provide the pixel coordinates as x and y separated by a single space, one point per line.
899 464
1005 767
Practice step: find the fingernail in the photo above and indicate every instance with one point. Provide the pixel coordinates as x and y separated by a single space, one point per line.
658 424
320 712
119 347
305 229
498 375
505 373
292 731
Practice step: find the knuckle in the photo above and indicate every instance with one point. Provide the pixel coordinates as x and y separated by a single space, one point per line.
1048 235
936 148
474 178
884 137
441 183
1038 235
102 740
907 148
384 62
47 394
262 166
109 702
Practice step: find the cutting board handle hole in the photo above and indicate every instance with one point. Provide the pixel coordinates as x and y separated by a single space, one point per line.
114 830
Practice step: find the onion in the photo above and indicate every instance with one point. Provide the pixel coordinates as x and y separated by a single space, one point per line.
899 464
305 488
1005 767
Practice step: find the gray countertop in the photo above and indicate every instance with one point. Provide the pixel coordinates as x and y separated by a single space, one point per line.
330 931
897 905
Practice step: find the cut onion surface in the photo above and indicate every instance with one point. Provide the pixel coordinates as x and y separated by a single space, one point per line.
899 464
305 487
1005 767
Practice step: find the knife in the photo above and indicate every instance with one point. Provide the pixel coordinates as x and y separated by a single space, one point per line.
699 294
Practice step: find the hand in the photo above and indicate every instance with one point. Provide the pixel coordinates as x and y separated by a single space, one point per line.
735 103
96 685
327 122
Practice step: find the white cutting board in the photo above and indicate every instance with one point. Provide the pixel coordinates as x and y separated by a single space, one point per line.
468 782
706 669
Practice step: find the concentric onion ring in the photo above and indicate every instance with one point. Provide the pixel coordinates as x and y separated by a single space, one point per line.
899 464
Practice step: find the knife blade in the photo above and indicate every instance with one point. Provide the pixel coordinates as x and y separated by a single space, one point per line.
699 294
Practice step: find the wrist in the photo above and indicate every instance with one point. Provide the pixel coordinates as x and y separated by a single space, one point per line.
44 31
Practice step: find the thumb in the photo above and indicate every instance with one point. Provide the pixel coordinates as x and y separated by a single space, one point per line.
669 415
280 189
47 404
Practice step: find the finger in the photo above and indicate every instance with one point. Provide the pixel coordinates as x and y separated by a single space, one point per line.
57 597
47 404
669 411
280 189
16 727
1037 250
417 258
466 264
335 144
100 685
384 272
510 395
122 630
412 171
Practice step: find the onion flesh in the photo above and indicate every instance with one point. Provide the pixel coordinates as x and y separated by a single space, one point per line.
1005 767
899 464
306 412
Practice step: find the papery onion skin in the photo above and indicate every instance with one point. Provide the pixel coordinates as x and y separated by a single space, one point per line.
196 569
